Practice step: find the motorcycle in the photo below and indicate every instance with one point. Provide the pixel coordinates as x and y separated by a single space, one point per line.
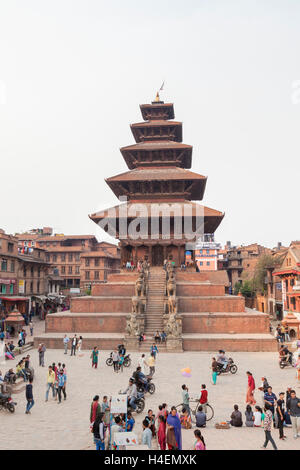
231 367
7 403
141 387
284 362
139 403
126 363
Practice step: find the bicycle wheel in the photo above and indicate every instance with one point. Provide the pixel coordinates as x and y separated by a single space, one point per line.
209 413
179 407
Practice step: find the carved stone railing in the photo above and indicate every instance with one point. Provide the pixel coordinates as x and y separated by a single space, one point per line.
135 321
172 319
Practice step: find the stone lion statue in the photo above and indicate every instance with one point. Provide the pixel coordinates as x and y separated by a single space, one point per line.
172 304
138 305
132 326
173 326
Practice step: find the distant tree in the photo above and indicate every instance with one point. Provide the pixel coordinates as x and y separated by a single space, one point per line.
247 289
260 274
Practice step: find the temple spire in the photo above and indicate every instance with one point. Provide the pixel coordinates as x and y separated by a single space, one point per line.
157 98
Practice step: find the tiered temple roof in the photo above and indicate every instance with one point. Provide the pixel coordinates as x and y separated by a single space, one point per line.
159 169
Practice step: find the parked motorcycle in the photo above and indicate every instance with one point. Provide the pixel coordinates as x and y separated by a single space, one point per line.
126 363
231 367
6 403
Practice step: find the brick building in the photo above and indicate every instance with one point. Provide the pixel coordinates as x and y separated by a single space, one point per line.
289 274
77 259
240 261
24 274
98 264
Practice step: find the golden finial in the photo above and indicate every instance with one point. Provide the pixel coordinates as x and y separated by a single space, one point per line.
157 98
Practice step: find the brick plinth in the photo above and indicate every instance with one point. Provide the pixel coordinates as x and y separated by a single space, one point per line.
86 322
112 289
215 277
225 323
226 303
91 304
187 289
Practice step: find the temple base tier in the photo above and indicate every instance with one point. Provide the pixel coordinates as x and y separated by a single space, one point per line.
211 320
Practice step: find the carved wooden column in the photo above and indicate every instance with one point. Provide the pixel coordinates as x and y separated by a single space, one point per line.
178 255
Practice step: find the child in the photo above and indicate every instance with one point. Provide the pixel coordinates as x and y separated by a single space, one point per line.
185 419
121 363
257 417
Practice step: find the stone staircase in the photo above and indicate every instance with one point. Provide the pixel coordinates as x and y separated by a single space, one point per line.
155 307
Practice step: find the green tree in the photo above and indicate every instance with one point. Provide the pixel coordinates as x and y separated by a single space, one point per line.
260 274
247 289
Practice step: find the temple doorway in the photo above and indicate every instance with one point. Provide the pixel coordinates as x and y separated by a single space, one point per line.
127 253
157 255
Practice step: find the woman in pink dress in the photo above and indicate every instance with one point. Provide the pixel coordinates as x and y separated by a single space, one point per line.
250 390
199 444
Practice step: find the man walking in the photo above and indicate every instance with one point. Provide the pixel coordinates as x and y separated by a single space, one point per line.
29 396
66 341
31 328
41 351
293 408
267 427
74 345
61 385
50 382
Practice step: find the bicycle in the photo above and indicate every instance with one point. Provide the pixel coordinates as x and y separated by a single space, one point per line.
209 410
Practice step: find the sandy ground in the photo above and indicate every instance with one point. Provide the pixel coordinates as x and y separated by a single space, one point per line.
66 426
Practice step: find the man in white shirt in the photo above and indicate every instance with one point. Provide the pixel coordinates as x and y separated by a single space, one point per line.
66 340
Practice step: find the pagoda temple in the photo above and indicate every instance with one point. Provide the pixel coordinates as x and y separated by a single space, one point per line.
192 307
157 187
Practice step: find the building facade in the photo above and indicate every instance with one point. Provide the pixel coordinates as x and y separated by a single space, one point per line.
75 259
240 261
289 275
97 265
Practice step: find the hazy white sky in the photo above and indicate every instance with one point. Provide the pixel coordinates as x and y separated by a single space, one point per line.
72 76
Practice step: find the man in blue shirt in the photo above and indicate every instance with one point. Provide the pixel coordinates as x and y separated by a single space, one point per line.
270 399
130 422
61 378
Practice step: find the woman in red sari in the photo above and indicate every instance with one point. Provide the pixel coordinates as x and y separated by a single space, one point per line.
161 433
250 390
